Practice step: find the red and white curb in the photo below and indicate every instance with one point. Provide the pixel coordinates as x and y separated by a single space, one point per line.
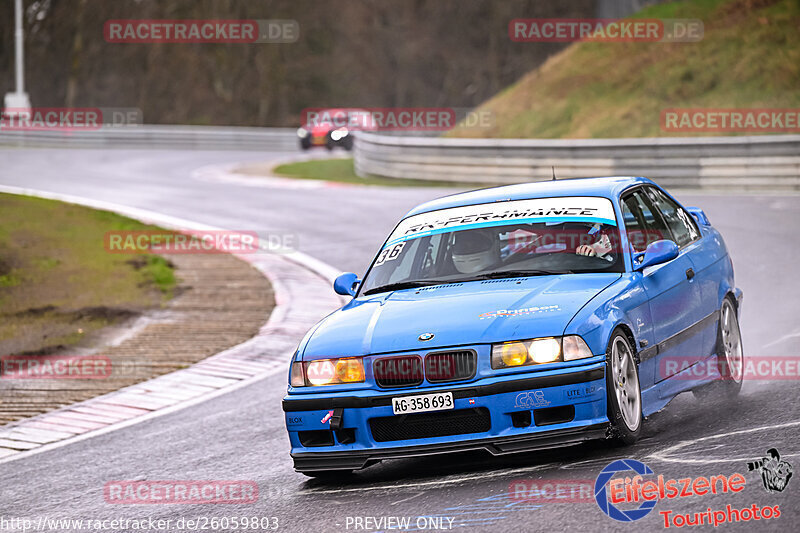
303 295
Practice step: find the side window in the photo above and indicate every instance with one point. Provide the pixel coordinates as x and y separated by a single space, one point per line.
641 224
679 221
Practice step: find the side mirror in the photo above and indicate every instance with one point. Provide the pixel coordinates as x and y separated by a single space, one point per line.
346 284
657 252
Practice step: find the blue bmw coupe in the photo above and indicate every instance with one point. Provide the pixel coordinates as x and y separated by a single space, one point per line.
518 318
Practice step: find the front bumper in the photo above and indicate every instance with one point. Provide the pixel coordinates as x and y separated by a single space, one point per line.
309 462
579 391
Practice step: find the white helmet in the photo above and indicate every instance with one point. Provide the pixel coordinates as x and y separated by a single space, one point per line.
474 250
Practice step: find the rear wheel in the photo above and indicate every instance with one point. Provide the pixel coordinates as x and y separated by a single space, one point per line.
730 356
623 391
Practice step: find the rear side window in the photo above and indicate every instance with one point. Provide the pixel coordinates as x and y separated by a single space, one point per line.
641 224
679 221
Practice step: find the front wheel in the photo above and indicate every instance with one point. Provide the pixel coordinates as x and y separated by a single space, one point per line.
623 391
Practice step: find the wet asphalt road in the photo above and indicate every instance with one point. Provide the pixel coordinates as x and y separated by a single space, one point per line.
241 435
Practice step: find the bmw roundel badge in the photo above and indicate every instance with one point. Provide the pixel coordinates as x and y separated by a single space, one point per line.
425 336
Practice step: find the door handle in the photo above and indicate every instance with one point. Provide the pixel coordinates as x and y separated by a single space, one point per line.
689 273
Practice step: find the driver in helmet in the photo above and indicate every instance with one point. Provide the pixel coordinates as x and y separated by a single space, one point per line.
599 248
475 250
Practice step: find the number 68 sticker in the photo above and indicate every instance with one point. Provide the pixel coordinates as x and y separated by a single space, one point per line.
392 252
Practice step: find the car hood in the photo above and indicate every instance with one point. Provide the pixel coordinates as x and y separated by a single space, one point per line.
472 312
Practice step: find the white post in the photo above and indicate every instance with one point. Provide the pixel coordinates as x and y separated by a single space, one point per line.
18 46
18 101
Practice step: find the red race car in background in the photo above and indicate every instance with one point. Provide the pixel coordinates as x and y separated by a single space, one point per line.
333 127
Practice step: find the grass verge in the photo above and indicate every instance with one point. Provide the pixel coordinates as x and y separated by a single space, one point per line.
58 284
343 171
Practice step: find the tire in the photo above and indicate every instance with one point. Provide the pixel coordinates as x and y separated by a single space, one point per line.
623 390
347 143
305 143
730 356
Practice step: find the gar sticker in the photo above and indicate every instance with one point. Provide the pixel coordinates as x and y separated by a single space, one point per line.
531 399
327 417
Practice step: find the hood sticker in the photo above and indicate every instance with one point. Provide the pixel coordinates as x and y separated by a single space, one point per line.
518 312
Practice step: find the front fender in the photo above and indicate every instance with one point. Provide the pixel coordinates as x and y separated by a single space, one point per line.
739 296
727 285
622 303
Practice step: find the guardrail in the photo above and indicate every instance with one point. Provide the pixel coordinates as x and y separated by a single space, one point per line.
152 136
699 162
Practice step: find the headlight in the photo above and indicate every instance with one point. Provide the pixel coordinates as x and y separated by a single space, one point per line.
327 372
511 354
301 132
339 134
539 351
544 350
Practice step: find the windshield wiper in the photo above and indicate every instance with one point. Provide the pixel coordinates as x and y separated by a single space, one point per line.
520 273
405 285
488 275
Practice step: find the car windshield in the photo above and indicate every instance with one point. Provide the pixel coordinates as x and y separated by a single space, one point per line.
540 236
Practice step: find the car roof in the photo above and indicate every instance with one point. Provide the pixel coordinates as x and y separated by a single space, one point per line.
606 187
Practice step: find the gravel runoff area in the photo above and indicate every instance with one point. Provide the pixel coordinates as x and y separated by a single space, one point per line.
221 301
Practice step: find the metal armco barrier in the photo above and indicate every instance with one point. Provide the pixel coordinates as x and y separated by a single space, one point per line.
190 137
752 162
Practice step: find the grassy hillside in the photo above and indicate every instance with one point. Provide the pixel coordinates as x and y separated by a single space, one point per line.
749 57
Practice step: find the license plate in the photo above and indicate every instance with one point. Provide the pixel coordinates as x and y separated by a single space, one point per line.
421 404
